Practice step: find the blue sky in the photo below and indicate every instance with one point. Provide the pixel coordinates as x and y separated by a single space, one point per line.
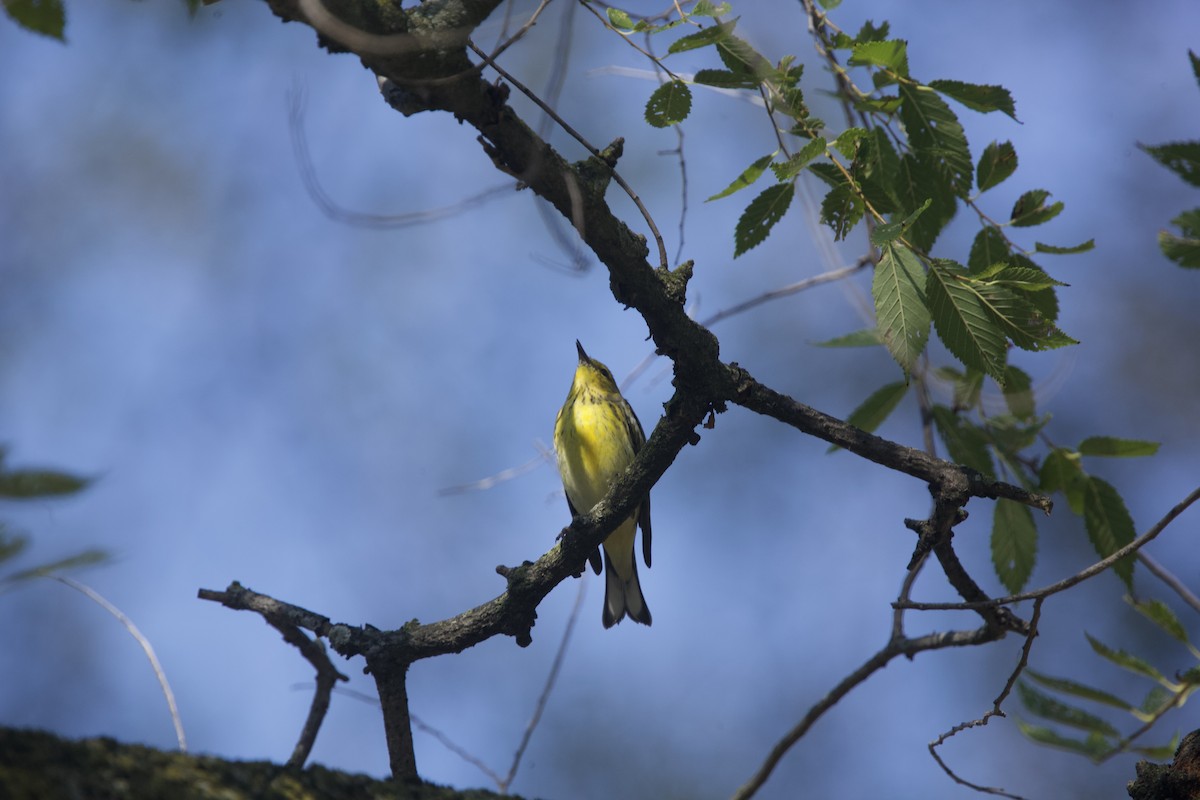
268 395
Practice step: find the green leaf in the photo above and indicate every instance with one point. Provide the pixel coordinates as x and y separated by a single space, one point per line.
669 104
1078 690
619 19
1119 448
46 17
724 79
1183 250
23 484
740 56
84 559
1124 660
915 183
871 413
867 337
799 160
1162 752
965 442
760 216
1019 319
964 322
1161 615
1060 472
1031 209
890 231
1018 393
847 141
1064 251
1108 524
891 55
901 314
841 209
704 8
967 386
877 168
988 248
1182 158
1095 747
977 97
1046 707
749 175
997 163
936 136
1014 544
703 37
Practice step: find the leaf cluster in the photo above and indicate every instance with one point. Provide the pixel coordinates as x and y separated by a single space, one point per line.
1182 158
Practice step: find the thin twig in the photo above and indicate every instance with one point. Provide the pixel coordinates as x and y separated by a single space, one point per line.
562 123
995 711
1167 577
894 647
147 648
330 208
555 668
1079 577
327 677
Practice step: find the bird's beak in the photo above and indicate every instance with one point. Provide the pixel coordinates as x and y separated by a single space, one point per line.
582 355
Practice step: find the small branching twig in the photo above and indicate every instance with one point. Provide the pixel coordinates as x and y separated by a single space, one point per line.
995 710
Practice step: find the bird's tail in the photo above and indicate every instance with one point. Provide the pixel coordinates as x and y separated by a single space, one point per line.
623 593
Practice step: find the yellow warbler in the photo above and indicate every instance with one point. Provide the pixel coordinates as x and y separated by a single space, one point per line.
596 436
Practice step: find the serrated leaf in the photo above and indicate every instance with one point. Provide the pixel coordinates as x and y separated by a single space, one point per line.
1064 251
891 55
1161 615
669 104
841 209
997 162
1014 544
1047 707
966 386
1117 448
915 183
1046 303
902 317
1156 700
760 216
1019 278
703 37
977 97
799 160
1078 690
1060 472
1019 319
47 17
871 413
890 231
1031 209
867 337
847 141
1095 747
21 484
988 248
749 175
1182 158
877 168
965 442
1018 393
1108 524
964 322
740 56
936 136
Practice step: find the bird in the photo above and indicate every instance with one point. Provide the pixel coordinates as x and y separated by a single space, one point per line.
596 436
